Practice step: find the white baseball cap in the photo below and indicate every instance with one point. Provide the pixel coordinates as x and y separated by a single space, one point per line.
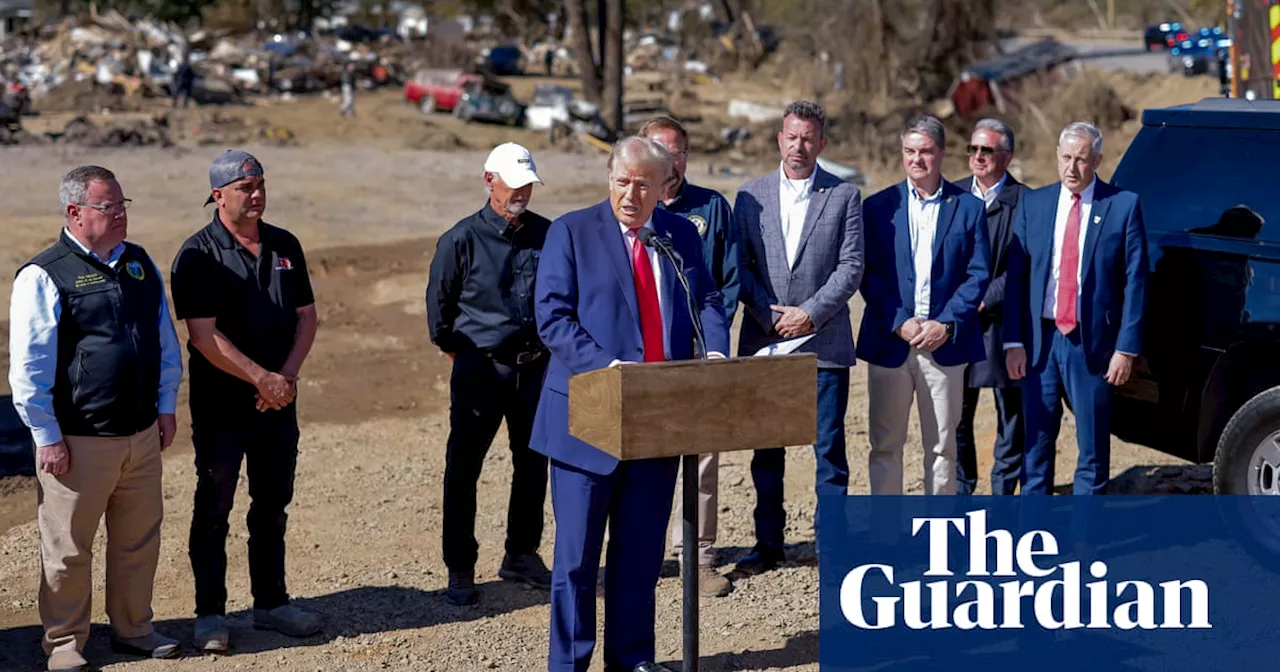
514 164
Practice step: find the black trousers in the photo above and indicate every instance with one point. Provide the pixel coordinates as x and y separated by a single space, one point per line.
1008 448
268 443
482 392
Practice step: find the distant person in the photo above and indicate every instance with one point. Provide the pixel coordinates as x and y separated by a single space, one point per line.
242 287
183 81
480 313
94 366
927 271
1075 297
348 84
801 233
602 302
990 151
710 214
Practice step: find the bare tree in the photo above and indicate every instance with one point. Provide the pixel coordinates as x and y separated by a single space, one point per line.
589 70
612 110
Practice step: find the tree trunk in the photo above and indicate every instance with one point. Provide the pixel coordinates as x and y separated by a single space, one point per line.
576 17
612 110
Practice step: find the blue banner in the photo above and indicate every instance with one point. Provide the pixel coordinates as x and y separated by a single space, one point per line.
1101 584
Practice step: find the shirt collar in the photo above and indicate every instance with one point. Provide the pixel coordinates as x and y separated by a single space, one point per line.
225 240
494 220
111 256
993 191
648 224
803 186
933 198
1086 196
679 195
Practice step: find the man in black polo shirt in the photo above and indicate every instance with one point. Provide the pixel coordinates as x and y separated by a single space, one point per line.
242 287
480 313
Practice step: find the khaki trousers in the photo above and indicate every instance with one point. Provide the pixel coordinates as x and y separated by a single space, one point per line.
939 395
118 477
708 491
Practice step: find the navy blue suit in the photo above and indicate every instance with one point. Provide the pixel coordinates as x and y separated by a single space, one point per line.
1110 306
587 317
959 281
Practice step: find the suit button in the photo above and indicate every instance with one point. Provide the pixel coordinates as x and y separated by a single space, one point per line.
639 351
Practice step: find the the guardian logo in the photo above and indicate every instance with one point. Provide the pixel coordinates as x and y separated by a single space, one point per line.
1055 603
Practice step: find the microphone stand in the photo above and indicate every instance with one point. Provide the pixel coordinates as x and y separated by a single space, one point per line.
689 463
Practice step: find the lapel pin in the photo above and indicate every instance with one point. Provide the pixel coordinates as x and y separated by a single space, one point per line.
822 190
1097 219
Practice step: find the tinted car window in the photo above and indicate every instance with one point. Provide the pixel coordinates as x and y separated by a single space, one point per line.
1214 181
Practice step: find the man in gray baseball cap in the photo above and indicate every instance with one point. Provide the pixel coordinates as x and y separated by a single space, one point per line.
242 287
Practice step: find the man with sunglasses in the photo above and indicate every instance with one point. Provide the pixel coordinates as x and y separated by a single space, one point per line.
94 368
990 151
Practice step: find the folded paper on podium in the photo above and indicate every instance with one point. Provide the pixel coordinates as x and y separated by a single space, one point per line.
666 409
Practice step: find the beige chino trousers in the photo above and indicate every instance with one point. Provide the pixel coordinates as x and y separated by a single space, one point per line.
939 396
708 509
118 478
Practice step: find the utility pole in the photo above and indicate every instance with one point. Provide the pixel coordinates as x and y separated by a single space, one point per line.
1233 13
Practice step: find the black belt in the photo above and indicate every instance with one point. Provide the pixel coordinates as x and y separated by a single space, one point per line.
515 355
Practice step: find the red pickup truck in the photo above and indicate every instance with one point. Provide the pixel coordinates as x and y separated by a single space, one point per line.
438 90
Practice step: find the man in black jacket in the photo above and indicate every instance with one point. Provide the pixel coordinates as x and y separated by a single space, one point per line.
990 151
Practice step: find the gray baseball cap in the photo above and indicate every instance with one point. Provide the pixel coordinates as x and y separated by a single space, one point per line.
232 165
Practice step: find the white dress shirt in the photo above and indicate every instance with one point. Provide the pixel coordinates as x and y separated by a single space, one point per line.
655 262
793 207
34 309
922 219
1059 232
990 195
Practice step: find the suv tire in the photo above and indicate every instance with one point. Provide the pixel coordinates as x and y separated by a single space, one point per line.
1247 460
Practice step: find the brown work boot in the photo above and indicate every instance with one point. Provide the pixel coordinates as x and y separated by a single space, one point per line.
712 583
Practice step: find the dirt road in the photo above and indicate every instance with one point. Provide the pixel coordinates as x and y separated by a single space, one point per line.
364 527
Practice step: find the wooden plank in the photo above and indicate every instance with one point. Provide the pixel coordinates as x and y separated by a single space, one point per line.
679 408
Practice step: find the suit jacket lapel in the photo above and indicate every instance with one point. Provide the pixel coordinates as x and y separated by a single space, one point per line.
818 196
1097 220
946 213
1042 249
902 232
615 246
771 228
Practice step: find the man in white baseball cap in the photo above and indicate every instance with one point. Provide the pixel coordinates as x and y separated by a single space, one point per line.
480 314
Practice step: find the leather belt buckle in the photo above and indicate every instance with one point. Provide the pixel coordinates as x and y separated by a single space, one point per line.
526 357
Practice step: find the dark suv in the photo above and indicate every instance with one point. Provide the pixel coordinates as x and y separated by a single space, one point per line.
1208 386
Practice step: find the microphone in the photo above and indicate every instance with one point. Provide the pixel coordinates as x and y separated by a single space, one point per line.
664 247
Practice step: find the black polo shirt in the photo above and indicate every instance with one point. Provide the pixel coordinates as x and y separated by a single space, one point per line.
480 291
254 300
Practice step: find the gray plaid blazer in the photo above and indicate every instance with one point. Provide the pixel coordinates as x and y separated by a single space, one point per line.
827 272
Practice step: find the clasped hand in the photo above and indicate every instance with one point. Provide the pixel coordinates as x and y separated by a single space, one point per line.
926 335
276 391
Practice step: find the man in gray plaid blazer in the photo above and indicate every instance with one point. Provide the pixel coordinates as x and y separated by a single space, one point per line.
801 248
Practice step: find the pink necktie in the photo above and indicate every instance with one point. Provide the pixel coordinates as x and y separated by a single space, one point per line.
1065 315
647 300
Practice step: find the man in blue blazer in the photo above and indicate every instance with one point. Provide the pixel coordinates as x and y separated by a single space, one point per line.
927 272
604 299
1075 292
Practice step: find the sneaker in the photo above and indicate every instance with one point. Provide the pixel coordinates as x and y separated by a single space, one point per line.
153 645
712 583
211 634
527 568
462 589
287 620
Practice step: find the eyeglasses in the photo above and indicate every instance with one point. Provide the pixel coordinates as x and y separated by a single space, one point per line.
982 149
108 208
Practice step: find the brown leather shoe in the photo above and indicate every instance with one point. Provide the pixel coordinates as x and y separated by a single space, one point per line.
712 583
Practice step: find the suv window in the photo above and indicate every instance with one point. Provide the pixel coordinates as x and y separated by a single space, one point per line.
1213 181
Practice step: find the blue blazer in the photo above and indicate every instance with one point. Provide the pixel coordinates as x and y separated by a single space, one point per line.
585 304
1113 283
959 278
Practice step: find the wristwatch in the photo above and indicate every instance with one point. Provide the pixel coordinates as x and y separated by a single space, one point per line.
951 330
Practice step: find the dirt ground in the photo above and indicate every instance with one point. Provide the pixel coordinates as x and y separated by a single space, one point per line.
364 551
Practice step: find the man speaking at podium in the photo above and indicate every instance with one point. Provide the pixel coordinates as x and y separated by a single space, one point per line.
606 298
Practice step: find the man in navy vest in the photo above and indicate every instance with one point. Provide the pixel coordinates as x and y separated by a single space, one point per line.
94 366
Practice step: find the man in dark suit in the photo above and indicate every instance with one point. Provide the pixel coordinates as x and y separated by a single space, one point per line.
990 151
1074 300
927 261
604 299
800 238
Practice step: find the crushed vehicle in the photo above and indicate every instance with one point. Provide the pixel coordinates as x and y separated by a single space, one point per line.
491 101
438 90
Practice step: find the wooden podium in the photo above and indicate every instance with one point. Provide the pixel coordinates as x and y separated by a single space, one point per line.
686 408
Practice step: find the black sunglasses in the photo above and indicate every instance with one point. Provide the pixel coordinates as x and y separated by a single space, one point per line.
981 149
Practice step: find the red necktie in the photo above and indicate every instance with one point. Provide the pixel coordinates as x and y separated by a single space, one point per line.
1065 315
647 299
